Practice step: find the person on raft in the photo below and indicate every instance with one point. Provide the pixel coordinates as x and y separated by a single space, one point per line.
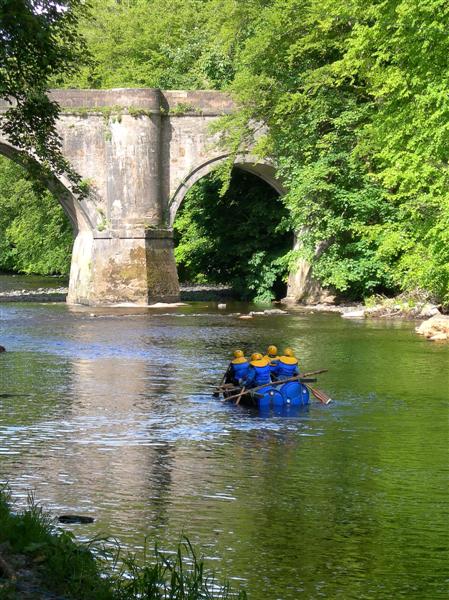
259 371
238 368
272 357
287 365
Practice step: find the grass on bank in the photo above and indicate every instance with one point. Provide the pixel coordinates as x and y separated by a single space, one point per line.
90 571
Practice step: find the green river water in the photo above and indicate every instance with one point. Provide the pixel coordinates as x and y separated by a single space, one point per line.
109 414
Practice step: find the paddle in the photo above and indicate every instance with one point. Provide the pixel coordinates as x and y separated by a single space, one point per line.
319 394
314 372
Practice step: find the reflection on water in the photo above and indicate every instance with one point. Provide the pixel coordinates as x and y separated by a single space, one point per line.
111 415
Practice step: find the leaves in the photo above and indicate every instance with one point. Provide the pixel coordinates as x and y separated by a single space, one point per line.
236 238
35 235
355 96
40 42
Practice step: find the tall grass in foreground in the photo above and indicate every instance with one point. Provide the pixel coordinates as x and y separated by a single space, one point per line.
92 571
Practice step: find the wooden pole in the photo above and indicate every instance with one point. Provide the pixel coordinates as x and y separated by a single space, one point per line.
217 391
240 396
262 386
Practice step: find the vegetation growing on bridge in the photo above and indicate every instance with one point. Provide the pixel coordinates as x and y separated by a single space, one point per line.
356 98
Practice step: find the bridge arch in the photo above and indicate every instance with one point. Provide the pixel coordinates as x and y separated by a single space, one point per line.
81 213
60 187
262 169
253 184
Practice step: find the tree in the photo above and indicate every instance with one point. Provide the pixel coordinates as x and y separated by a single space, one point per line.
35 234
355 95
238 238
286 79
400 51
170 44
39 43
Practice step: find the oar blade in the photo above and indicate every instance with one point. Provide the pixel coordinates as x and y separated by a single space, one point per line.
320 395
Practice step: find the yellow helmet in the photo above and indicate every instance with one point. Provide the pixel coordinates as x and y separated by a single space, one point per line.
238 354
289 352
256 356
272 350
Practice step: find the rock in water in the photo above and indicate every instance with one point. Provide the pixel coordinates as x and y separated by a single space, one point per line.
435 328
428 310
74 519
439 337
354 314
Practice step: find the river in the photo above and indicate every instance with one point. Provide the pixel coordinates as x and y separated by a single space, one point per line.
108 413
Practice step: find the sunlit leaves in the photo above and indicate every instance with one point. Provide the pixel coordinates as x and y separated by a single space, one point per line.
35 235
355 95
39 43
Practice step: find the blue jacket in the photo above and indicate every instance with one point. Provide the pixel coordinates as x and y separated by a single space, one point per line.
287 367
273 360
239 369
259 373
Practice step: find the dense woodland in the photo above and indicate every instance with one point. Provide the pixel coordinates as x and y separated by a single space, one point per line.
356 97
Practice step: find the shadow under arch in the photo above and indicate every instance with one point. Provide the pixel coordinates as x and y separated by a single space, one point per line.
59 186
262 169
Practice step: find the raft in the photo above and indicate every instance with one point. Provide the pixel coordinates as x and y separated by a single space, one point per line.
290 394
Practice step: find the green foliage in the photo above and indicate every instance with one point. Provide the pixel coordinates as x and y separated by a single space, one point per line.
40 42
171 44
238 238
285 81
355 95
35 235
401 51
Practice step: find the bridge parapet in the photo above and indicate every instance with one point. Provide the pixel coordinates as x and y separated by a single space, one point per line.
206 102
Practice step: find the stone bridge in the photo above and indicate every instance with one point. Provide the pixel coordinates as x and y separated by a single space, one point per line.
138 151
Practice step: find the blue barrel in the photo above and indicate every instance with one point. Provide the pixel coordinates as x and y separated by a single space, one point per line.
269 396
305 394
289 411
294 393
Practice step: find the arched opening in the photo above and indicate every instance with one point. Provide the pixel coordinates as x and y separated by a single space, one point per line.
39 217
238 238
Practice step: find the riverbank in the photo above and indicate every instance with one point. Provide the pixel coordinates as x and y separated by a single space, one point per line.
189 293
378 307
40 562
406 307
